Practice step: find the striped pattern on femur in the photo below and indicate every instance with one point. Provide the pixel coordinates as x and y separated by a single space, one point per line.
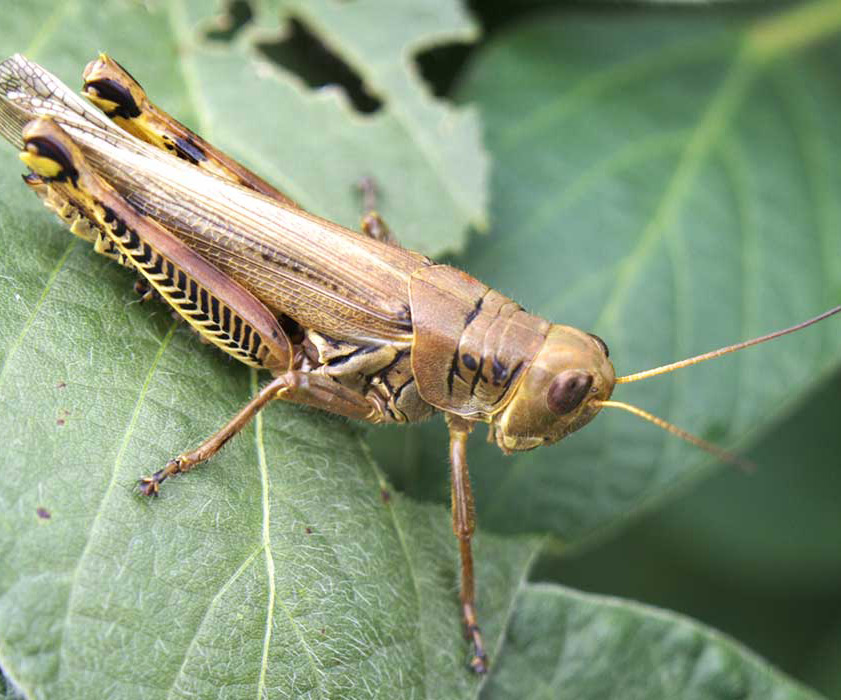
213 319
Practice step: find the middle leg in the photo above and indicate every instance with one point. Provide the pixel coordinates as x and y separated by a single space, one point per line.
464 523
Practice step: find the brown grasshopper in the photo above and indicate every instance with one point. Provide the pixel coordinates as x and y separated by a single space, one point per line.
349 323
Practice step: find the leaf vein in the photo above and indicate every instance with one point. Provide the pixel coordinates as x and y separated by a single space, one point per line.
714 118
112 483
273 599
240 570
16 343
613 76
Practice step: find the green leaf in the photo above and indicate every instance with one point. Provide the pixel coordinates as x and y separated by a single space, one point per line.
425 154
561 643
288 568
669 182
313 145
775 532
755 555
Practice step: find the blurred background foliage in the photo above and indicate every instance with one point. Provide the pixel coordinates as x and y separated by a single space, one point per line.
756 555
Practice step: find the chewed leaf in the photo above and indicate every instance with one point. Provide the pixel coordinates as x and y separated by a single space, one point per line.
426 155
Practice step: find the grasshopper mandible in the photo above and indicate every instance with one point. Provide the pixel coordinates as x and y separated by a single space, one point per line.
349 323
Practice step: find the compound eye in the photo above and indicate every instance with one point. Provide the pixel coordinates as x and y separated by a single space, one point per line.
568 390
602 344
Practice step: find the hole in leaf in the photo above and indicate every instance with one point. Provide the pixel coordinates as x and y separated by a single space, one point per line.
497 15
440 66
301 52
237 15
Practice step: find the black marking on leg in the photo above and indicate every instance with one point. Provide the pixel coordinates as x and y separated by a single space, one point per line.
157 268
55 151
113 91
142 257
382 373
396 396
332 342
214 309
342 359
193 292
122 231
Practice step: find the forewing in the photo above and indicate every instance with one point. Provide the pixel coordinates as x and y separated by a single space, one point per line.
325 277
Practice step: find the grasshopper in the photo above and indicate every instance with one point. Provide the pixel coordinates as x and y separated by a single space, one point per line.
350 323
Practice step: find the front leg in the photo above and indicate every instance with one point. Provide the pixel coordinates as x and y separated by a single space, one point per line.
297 386
464 523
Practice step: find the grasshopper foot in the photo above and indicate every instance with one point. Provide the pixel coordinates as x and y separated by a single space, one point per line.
479 662
150 485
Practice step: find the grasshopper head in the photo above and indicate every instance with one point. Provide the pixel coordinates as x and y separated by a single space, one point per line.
559 393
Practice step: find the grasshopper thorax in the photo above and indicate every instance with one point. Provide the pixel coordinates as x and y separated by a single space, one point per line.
559 392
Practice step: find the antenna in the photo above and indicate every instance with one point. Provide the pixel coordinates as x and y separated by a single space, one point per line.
723 351
714 450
